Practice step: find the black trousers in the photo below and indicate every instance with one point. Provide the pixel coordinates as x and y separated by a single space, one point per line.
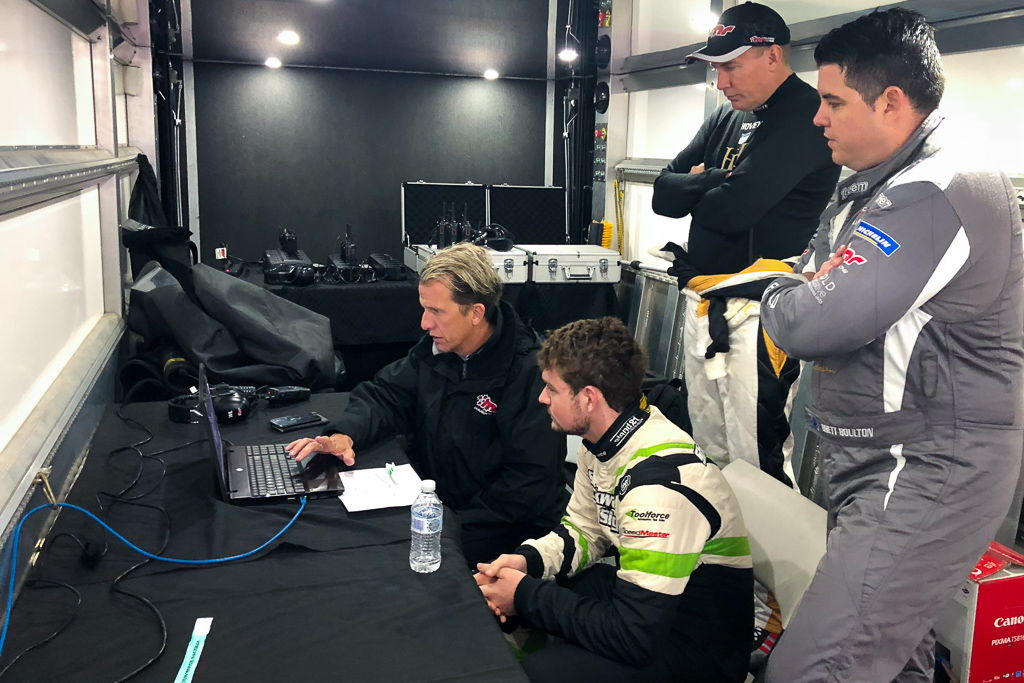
485 543
561 661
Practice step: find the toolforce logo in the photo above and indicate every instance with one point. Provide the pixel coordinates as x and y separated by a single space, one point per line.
484 405
648 516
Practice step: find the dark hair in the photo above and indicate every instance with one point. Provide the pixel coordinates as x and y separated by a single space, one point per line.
881 49
599 353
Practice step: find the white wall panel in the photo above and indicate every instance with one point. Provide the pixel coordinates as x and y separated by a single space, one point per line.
662 25
45 78
983 103
662 122
53 296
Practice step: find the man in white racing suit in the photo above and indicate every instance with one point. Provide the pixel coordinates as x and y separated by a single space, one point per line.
678 606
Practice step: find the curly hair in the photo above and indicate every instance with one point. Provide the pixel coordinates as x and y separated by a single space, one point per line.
599 352
468 273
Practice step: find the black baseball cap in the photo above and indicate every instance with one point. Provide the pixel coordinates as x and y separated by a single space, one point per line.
740 28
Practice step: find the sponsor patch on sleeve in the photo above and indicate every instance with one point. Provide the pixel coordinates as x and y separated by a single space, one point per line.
887 245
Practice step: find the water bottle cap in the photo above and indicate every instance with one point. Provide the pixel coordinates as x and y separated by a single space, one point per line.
427 486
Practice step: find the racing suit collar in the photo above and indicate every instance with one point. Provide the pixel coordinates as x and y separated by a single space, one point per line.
618 434
865 183
492 341
780 93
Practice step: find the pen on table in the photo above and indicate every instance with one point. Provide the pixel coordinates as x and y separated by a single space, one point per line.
390 469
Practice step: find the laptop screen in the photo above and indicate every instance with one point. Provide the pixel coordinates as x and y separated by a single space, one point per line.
212 428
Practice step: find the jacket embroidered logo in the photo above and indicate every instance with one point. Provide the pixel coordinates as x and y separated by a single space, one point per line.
485 406
624 485
850 257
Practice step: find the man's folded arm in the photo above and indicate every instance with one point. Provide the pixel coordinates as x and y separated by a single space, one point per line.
676 190
761 180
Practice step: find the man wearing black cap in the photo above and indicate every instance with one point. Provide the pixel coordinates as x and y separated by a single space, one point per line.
754 181
758 174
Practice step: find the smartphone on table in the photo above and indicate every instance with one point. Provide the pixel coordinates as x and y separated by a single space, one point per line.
288 423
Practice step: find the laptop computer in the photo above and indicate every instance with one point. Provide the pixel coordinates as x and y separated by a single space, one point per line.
263 473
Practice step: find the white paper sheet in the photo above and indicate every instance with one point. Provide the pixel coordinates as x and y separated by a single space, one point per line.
371 489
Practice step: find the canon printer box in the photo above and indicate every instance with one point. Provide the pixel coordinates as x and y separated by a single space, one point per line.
983 626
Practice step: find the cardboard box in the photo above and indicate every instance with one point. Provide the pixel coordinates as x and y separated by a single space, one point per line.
983 626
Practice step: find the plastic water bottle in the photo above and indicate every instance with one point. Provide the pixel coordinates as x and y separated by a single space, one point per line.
425 548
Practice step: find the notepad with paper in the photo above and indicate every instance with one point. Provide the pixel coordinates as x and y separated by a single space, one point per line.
371 489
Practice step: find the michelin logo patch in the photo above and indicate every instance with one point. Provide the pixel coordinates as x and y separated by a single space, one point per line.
885 244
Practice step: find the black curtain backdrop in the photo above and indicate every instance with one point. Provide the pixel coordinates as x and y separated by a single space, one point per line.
315 149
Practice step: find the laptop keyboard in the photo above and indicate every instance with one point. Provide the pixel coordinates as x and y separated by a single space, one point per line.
271 471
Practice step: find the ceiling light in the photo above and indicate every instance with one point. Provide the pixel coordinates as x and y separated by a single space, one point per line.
568 54
490 74
703 20
288 37
273 62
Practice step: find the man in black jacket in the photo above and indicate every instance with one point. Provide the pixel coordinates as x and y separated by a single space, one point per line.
754 181
466 394
758 174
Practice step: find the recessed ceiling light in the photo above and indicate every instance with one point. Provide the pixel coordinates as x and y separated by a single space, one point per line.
288 37
273 62
568 54
490 74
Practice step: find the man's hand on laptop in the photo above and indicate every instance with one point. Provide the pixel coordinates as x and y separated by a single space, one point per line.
338 445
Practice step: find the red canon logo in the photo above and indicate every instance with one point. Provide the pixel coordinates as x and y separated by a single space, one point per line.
721 30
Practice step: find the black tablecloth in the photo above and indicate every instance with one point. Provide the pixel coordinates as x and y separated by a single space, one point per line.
334 597
362 312
389 312
375 323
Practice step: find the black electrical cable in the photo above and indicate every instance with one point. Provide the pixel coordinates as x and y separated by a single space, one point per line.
14 557
115 588
89 555
35 583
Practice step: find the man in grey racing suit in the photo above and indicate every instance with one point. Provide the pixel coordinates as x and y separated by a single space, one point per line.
908 301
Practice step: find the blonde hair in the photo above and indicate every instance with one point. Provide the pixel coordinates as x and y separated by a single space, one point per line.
468 273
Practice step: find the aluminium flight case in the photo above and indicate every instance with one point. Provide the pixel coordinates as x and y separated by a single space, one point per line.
534 214
513 266
422 206
559 263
